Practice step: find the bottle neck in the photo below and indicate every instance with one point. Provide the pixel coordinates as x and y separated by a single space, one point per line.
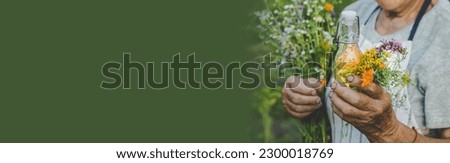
350 40
349 34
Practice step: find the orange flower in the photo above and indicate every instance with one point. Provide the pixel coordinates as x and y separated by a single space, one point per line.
382 65
367 77
328 7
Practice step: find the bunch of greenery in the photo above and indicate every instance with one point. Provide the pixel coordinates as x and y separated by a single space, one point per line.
298 32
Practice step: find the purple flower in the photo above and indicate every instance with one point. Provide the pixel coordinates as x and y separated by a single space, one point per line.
391 46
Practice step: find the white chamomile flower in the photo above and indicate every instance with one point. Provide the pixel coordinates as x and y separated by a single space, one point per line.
303 32
319 19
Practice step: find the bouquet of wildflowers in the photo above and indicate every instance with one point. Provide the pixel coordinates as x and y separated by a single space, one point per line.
298 32
382 65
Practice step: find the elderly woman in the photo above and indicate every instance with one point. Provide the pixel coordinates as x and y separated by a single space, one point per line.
366 114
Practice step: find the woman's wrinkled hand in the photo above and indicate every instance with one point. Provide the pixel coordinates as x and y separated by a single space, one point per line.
301 96
367 108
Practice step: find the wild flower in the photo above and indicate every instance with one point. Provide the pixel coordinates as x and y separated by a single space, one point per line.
300 32
377 65
367 77
328 7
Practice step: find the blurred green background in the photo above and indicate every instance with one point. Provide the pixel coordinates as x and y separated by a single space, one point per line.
52 53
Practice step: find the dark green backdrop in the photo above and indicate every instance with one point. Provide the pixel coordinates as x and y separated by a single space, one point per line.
52 53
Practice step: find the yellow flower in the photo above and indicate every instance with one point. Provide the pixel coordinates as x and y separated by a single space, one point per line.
367 78
406 79
325 46
328 7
